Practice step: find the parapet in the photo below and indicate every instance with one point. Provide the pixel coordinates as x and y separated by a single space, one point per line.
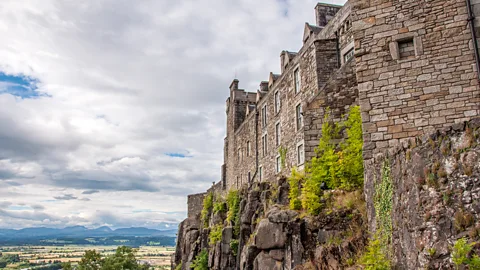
325 12
195 204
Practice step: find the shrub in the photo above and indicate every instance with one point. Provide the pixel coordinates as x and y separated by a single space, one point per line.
374 258
179 267
201 261
295 181
233 213
207 207
234 246
351 157
460 254
219 207
215 234
282 151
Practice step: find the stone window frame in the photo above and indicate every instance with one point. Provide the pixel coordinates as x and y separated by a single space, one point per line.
278 133
300 159
260 173
297 81
349 48
264 144
394 47
278 165
264 116
277 105
299 116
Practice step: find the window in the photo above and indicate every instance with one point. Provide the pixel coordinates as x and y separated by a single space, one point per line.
300 154
296 78
278 165
406 48
299 116
238 181
277 102
349 55
264 116
264 144
260 173
249 179
239 154
277 134
249 149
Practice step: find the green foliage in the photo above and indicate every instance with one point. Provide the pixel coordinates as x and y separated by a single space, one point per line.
295 181
282 151
234 246
460 254
338 167
201 261
215 234
179 267
374 258
350 156
207 207
219 207
124 258
233 214
383 203
91 260
67 266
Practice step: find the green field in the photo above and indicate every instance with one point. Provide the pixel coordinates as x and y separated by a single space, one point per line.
35 257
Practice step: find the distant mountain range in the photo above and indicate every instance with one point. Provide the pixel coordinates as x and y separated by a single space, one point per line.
83 232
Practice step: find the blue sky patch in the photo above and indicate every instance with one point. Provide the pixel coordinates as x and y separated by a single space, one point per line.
20 86
19 207
177 155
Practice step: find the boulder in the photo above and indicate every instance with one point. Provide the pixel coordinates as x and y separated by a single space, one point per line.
270 235
264 262
281 216
247 258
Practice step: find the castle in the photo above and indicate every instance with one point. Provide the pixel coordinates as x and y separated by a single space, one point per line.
411 66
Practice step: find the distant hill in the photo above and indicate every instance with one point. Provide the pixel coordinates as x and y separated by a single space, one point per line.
83 232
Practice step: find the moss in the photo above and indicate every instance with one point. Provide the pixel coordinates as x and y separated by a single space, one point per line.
179 267
282 151
233 213
234 246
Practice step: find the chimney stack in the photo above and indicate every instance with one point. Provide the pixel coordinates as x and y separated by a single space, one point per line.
325 12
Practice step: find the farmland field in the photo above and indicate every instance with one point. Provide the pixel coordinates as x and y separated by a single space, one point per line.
36 257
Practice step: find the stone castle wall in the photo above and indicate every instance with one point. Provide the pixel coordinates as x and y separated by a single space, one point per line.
415 68
316 61
195 204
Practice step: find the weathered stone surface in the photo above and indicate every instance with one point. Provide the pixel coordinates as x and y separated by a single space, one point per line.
248 256
264 262
270 235
276 215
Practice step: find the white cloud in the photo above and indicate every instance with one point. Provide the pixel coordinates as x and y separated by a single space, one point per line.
125 83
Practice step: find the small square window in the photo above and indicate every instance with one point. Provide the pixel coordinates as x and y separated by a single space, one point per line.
348 56
406 48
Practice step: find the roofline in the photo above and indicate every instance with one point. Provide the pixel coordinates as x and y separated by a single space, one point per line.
328 5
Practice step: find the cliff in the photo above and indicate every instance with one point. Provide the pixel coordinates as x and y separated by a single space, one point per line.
434 203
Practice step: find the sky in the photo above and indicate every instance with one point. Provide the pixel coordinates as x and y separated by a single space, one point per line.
113 111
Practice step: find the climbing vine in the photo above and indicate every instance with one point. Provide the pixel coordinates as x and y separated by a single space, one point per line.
233 213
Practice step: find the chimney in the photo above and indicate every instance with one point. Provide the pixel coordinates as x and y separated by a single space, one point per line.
264 86
234 85
325 12
282 61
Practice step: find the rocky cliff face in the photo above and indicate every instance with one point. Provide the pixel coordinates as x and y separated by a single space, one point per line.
436 198
272 237
435 202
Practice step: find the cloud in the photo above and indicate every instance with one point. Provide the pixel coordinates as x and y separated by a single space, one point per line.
90 192
113 97
66 197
